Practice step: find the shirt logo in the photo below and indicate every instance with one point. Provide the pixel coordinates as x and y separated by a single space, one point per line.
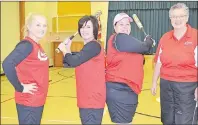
42 56
188 43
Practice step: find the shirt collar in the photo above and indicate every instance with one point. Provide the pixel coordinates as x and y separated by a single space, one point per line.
187 34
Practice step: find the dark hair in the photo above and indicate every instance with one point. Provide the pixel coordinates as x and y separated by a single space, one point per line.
94 21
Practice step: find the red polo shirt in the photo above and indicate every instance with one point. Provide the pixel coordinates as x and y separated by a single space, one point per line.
178 57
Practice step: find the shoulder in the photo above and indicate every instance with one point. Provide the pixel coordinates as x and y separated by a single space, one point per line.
166 36
194 32
24 45
93 45
194 36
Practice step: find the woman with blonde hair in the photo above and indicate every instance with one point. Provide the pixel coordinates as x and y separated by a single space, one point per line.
26 67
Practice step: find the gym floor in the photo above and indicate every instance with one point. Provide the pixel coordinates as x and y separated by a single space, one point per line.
60 107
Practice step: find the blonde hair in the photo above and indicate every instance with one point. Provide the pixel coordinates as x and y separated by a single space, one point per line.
28 21
179 6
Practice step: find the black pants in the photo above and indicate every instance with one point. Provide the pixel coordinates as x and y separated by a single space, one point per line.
177 102
29 115
122 102
90 116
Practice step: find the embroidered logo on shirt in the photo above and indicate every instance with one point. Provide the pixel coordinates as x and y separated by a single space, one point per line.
188 43
42 56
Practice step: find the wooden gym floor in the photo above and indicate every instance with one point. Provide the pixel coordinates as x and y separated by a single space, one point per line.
60 107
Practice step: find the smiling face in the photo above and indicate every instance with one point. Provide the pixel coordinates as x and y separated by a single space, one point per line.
179 14
86 30
179 18
37 26
123 26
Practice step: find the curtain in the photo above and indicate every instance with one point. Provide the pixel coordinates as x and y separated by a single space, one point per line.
153 15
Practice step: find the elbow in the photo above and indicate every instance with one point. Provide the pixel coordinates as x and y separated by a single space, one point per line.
74 64
68 63
4 64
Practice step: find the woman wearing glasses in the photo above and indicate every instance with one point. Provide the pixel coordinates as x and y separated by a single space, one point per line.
176 64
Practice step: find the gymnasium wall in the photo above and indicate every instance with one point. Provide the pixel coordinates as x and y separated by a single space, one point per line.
49 9
103 6
10 35
69 13
75 10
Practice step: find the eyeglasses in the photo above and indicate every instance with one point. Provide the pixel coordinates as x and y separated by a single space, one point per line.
178 17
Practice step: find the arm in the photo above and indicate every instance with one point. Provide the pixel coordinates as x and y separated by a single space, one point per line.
156 73
157 68
21 51
127 43
89 51
158 65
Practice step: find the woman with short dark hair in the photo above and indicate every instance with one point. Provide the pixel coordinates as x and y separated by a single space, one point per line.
89 66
